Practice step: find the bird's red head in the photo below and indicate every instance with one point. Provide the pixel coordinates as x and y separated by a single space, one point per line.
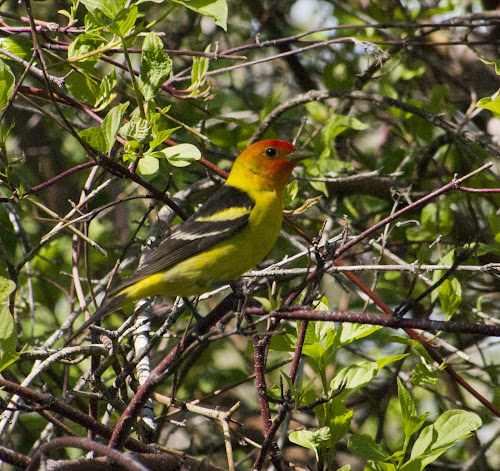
268 164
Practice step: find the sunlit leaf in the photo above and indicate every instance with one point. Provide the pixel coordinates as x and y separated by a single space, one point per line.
6 84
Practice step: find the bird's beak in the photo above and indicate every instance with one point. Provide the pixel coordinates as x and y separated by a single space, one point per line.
300 154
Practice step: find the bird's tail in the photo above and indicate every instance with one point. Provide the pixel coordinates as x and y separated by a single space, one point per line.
106 308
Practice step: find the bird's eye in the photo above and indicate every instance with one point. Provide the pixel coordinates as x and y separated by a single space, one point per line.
271 152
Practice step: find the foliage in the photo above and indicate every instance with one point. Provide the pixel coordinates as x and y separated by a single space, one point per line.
8 337
110 107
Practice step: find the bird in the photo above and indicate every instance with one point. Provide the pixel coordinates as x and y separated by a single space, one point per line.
227 236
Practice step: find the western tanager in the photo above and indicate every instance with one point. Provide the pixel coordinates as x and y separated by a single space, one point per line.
232 232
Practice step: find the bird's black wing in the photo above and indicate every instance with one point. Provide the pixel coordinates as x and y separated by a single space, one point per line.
207 227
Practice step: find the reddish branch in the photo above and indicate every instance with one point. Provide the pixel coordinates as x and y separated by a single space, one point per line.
166 367
49 402
61 98
14 458
270 428
125 460
55 179
301 313
261 346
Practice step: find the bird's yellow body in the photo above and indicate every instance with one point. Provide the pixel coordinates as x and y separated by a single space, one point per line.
224 262
232 232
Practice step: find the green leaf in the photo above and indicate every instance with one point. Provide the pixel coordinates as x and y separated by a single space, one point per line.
160 136
365 447
421 374
137 129
408 409
124 21
148 166
494 220
111 124
283 343
84 44
199 87
311 439
356 376
265 303
449 428
408 74
348 333
387 89
83 87
7 81
200 69
7 357
319 344
110 8
155 66
318 333
383 362
94 137
450 296
299 393
379 466
93 21
438 100
430 227
338 124
181 155
412 465
272 302
446 259
216 9
291 191
339 420
106 94
411 421
411 343
491 104
6 288
18 45
8 333
320 186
